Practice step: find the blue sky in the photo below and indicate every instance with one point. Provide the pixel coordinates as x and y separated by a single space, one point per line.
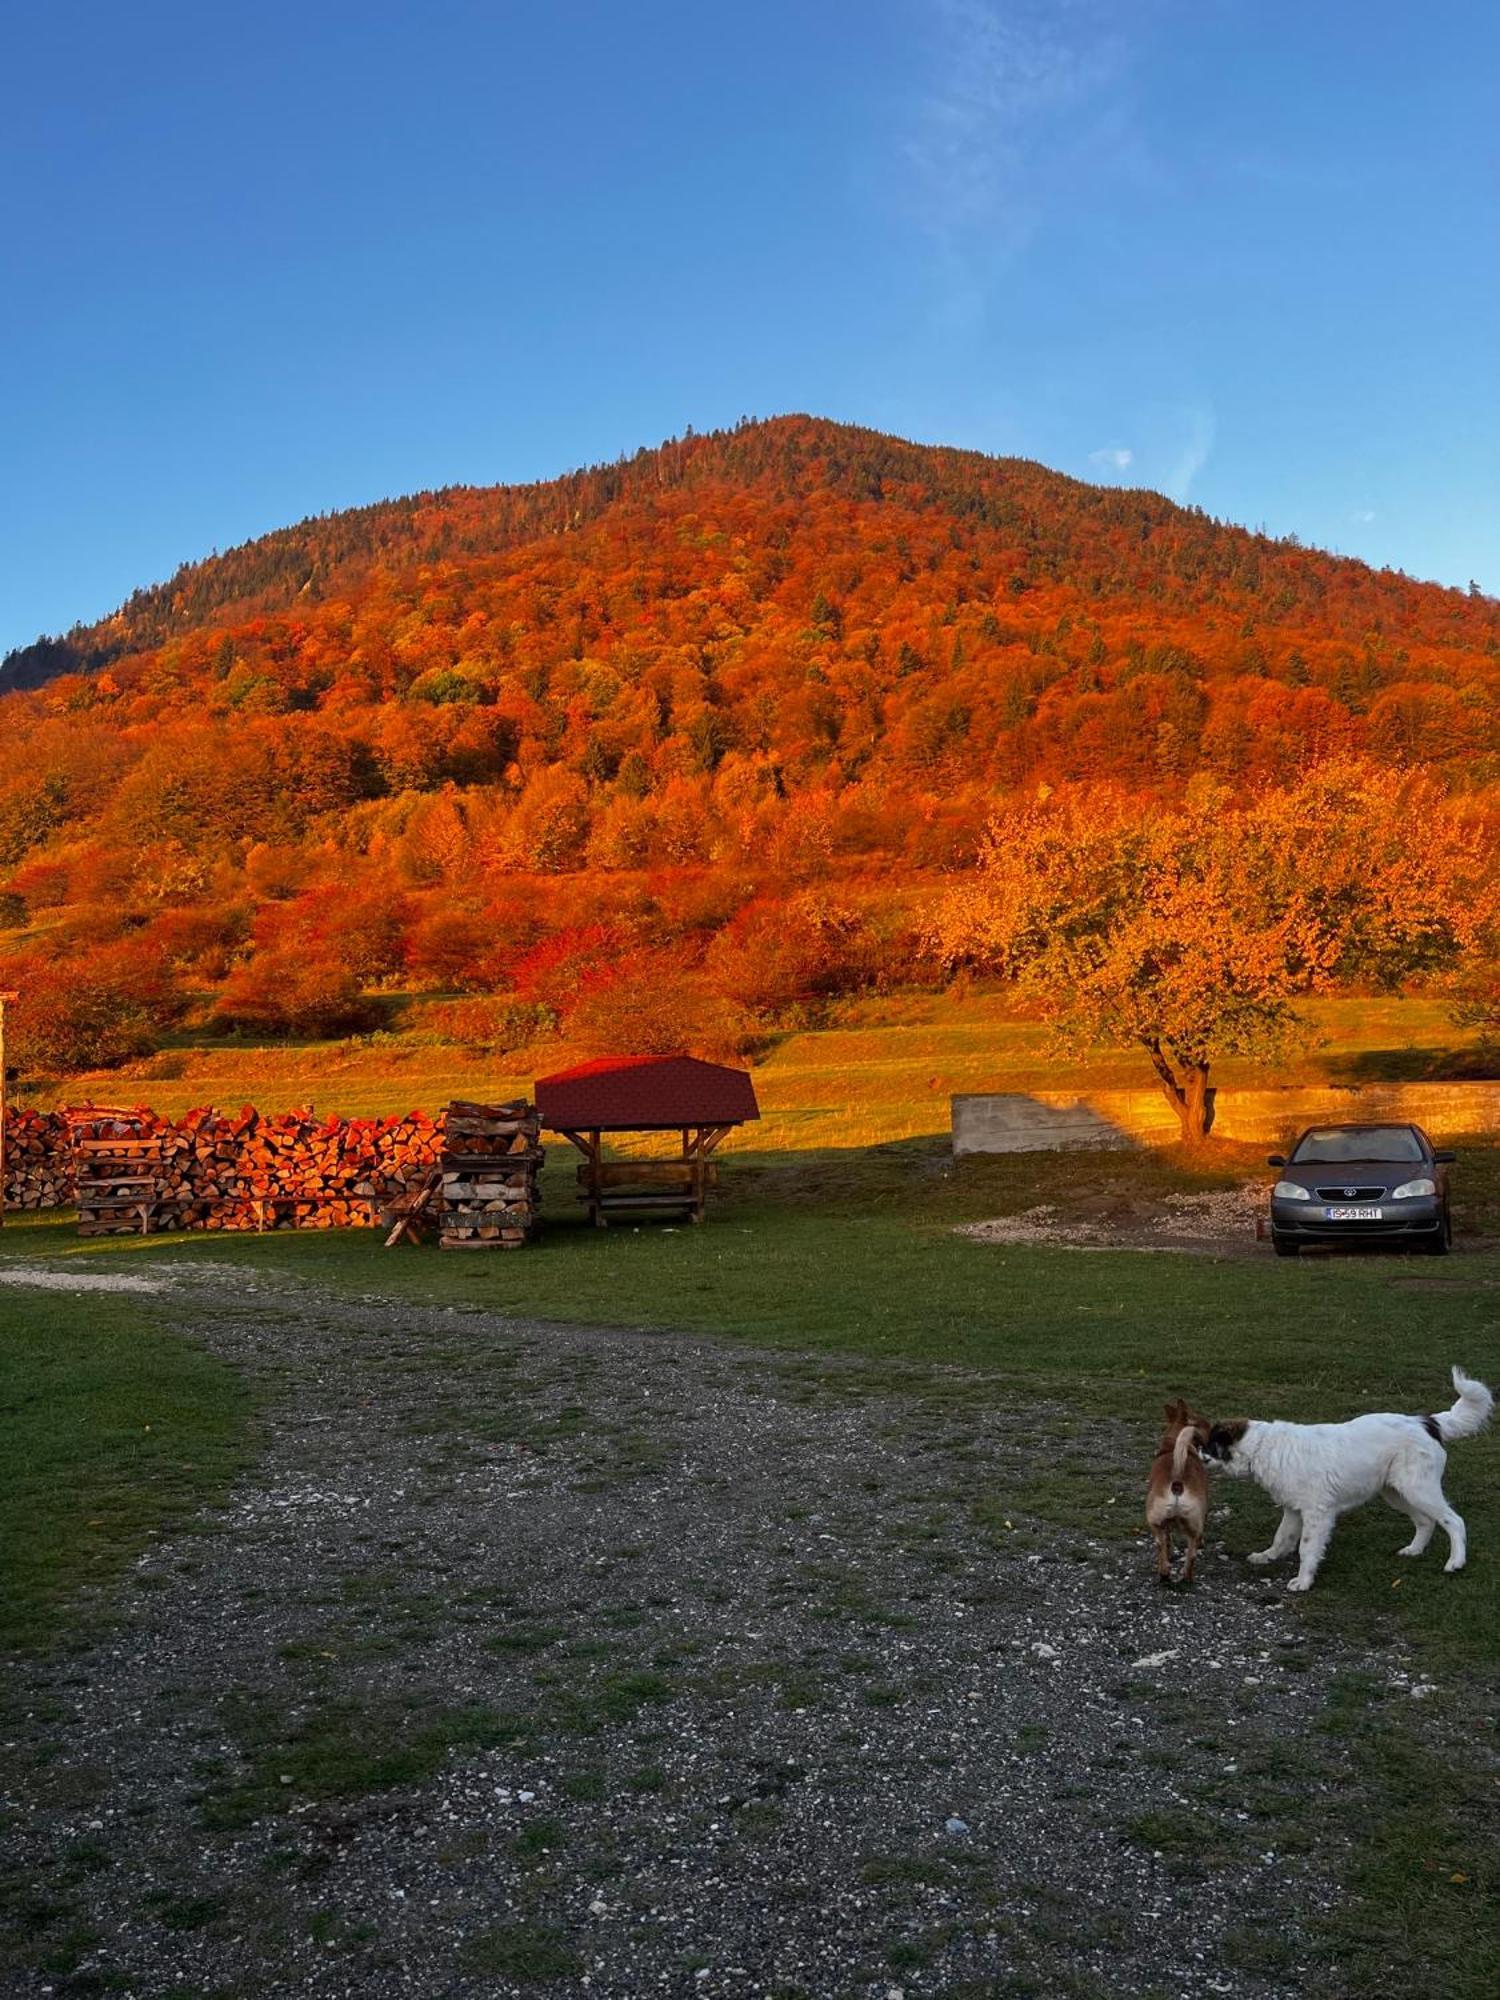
264 260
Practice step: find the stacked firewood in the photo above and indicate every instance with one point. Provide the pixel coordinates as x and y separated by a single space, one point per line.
204 1170
38 1160
118 1176
230 1170
492 1154
294 1170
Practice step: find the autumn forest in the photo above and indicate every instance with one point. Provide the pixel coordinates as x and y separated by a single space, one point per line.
676 749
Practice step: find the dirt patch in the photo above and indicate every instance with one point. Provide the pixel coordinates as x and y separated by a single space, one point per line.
1219 1223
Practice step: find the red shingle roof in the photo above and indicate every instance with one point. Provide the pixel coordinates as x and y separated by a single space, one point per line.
644 1093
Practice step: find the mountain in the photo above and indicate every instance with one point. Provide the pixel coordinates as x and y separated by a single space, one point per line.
652 699
1103 538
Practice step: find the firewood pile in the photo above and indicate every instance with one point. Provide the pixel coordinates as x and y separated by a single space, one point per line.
118 1177
492 1155
38 1160
223 1170
294 1170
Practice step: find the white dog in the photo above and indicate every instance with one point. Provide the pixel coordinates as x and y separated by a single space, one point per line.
1319 1471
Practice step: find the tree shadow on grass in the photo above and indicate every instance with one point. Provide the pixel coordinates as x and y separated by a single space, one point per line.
1411 1065
924 1177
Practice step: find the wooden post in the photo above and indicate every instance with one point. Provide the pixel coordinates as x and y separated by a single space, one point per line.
708 1138
3 998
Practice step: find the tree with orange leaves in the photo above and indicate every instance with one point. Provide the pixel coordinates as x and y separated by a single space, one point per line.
1189 932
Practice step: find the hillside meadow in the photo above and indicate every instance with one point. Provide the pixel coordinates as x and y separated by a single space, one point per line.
880 1070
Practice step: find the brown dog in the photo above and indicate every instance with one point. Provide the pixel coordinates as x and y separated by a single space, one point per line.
1177 1491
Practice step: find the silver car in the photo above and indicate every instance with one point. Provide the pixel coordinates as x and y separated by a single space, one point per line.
1362 1184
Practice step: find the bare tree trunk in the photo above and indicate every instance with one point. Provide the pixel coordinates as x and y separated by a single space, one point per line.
1189 1095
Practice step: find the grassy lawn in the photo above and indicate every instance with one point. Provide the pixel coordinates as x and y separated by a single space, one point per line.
113 1425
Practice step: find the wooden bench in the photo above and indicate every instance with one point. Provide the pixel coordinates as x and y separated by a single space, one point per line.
612 1186
683 1175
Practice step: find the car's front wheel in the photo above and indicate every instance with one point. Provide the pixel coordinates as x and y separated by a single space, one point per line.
1284 1247
1442 1240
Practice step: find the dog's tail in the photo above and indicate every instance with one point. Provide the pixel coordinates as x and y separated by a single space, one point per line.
1469 1414
1187 1438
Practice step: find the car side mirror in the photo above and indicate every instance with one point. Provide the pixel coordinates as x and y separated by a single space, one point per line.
1276 1159
1445 1159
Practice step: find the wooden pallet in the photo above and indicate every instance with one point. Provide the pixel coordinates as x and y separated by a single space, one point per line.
117 1180
487 1177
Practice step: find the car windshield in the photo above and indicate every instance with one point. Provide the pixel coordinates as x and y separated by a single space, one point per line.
1375 1143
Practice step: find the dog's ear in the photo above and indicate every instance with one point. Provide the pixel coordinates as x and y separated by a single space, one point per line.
1176 1412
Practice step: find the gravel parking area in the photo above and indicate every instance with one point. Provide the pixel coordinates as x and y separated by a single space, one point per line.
1216 1224
598 1661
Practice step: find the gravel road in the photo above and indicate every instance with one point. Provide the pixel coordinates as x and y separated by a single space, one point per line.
537 1659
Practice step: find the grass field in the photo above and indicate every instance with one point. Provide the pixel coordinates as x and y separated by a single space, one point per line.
113 1426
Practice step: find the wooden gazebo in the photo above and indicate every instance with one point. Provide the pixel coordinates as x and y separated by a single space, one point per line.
703 1101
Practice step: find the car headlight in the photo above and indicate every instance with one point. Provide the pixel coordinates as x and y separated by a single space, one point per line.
1291 1191
1423 1184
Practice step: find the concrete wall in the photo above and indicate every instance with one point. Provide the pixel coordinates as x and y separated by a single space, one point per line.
1052 1121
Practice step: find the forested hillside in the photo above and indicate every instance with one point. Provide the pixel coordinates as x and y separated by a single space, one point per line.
728 706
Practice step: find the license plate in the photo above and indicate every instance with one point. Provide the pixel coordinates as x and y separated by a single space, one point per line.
1351 1215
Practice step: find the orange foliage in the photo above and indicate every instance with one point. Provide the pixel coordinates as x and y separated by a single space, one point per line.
651 1006
287 991
88 1010
1189 931
795 661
